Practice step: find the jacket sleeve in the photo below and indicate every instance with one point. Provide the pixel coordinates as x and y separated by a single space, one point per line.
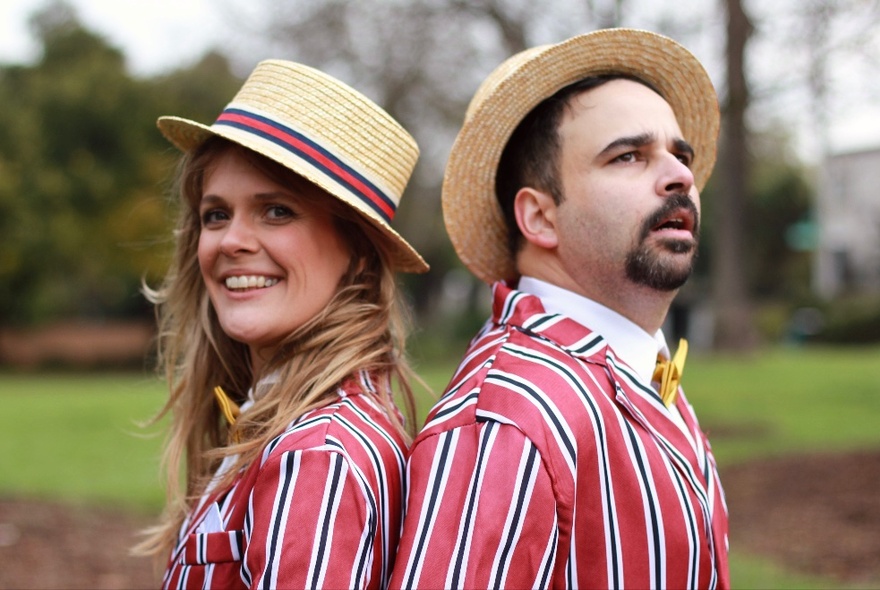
480 512
310 524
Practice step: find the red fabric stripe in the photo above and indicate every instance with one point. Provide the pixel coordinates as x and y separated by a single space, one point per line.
364 191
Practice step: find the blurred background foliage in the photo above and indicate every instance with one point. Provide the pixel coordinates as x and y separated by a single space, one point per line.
84 211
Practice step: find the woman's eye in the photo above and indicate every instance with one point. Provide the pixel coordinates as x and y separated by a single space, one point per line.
213 216
279 212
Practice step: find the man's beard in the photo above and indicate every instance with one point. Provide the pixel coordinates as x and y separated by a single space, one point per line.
648 265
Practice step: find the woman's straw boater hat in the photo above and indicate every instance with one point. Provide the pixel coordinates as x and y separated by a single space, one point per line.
324 131
470 208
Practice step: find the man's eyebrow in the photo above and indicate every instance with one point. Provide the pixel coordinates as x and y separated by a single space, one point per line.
629 141
684 147
642 139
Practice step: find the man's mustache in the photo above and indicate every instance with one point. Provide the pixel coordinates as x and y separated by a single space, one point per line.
670 205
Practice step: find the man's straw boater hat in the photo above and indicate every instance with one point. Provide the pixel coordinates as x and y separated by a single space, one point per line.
324 131
471 211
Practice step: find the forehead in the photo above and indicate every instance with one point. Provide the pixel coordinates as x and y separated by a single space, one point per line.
616 109
244 170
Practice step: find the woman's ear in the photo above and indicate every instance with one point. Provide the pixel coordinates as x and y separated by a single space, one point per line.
536 217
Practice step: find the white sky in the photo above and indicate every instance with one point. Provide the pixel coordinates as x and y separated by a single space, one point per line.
155 35
160 35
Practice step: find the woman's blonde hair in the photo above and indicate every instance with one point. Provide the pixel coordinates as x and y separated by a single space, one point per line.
362 328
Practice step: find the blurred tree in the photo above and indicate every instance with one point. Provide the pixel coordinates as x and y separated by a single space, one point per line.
765 195
734 323
780 202
81 173
832 58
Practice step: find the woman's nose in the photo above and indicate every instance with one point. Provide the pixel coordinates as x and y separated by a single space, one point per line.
240 237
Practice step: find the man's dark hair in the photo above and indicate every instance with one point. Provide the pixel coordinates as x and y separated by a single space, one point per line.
531 156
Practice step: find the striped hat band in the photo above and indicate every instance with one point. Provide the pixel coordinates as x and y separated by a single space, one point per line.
313 152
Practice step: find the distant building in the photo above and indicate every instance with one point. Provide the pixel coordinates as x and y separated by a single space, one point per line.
847 257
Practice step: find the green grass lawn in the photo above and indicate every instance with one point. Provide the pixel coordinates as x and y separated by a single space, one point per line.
79 437
787 400
76 437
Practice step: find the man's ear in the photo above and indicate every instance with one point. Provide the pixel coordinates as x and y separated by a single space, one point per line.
536 217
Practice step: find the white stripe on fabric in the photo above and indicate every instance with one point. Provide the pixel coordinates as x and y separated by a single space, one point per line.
379 505
289 466
548 561
364 550
451 410
540 322
680 460
612 538
552 416
526 474
246 574
655 541
509 306
693 534
462 546
333 490
439 477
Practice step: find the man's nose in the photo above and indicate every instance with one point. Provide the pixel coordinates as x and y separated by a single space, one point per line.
675 176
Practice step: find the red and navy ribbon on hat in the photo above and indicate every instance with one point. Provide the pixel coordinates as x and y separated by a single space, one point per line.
312 152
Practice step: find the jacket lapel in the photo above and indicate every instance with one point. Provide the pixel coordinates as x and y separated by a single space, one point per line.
644 406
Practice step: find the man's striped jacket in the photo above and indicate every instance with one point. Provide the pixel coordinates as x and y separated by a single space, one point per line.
548 464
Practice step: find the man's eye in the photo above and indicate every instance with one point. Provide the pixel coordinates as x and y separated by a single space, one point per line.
627 157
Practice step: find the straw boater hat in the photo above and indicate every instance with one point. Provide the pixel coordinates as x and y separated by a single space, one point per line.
324 131
471 211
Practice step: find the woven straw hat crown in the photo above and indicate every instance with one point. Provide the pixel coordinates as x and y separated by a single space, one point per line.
326 132
471 212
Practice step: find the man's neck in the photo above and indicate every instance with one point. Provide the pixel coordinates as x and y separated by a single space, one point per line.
644 306
630 342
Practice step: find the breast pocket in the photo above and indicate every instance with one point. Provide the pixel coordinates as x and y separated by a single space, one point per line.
208 548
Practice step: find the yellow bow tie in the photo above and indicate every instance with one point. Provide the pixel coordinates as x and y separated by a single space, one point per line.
668 373
228 407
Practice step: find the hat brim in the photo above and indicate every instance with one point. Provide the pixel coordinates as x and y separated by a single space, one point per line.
188 135
471 211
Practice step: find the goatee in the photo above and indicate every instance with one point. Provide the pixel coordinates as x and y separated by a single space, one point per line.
651 265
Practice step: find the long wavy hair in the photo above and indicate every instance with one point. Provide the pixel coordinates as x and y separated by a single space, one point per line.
362 328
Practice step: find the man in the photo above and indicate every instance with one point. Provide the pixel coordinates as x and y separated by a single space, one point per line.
553 460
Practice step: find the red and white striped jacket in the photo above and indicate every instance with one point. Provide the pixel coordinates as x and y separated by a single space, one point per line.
548 464
322 507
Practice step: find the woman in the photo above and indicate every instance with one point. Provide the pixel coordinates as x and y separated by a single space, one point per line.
281 298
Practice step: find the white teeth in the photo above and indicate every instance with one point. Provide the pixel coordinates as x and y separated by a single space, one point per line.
249 282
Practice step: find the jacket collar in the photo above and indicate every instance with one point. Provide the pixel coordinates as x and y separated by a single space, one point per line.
527 313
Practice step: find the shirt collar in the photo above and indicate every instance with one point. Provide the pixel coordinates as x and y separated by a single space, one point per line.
260 389
630 343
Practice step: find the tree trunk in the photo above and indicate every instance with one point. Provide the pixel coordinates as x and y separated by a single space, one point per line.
734 323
